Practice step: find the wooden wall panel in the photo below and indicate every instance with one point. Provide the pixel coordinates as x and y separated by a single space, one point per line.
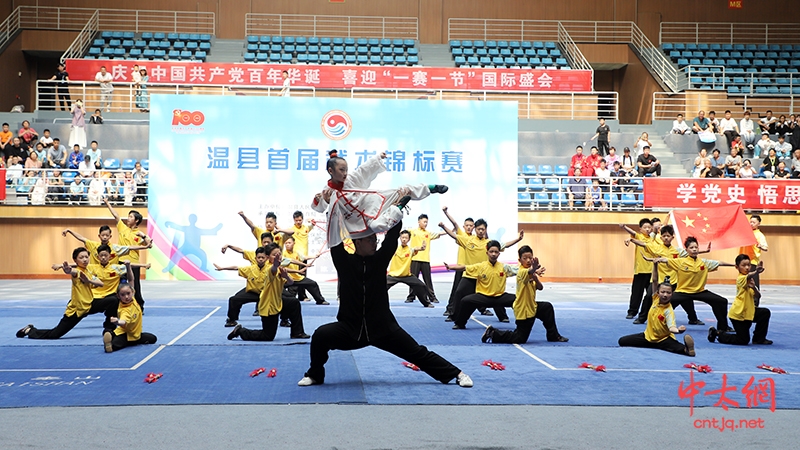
432 29
15 77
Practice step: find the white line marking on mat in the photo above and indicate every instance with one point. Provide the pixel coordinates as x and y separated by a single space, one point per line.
519 347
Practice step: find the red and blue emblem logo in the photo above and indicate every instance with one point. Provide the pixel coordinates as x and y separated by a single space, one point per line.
336 125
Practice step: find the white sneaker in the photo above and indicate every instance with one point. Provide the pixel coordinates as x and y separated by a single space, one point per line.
464 380
306 381
107 342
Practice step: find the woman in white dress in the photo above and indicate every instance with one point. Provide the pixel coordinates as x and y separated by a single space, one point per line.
96 190
77 134
39 193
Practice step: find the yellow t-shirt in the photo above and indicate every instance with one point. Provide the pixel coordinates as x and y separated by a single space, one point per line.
270 301
491 279
132 315
128 238
461 251
277 237
81 300
660 250
525 304
753 251
744 306
255 277
418 236
639 263
401 262
301 238
116 252
692 273
474 250
660 319
295 256
109 275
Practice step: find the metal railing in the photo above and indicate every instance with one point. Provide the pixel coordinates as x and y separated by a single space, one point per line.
83 40
556 196
667 105
722 78
572 52
331 26
729 33
502 29
54 188
42 18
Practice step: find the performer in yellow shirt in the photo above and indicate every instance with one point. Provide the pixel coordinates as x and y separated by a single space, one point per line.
105 238
400 269
270 226
526 308
744 311
129 324
81 302
466 232
300 232
130 236
754 251
298 275
255 274
661 325
421 238
271 302
641 268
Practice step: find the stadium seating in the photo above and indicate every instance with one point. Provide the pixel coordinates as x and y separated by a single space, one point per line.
324 50
508 54
170 46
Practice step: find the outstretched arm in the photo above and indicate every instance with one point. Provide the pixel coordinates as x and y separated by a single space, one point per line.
74 234
454 266
232 247
758 270
628 229
447 231
247 221
514 241
450 218
220 268
111 209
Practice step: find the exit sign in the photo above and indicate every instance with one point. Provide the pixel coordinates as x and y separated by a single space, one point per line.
735 4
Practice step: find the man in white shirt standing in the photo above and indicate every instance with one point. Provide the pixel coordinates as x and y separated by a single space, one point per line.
728 127
747 131
287 84
106 88
679 126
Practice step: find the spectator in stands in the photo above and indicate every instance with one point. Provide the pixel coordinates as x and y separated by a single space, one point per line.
97 188
783 149
77 134
96 118
16 149
76 190
770 164
41 153
46 140
14 171
764 145
710 170
746 171
287 85
796 164
114 188
128 189
577 189
86 169
782 127
713 122
33 161
601 134
25 184
56 187
62 87
106 88
612 157
782 173
794 139
591 163
142 98
94 155
728 126
57 155
6 136
700 163
140 178
641 143
27 135
603 175
577 160
747 131
648 164
768 122
39 191
76 157
717 160
595 200
136 80
679 126
620 178
700 123
737 144
628 165
733 162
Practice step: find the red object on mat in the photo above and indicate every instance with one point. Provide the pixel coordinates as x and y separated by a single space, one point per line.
152 377
494 365
272 373
772 369
699 368
257 372
411 366
586 365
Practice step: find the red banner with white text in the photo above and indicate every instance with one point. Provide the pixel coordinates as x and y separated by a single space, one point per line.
339 76
757 193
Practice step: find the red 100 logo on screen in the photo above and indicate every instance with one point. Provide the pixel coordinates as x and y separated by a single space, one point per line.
180 117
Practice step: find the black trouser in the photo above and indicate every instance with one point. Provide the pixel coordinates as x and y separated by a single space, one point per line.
450 310
638 288
137 287
718 305
647 302
602 147
239 299
105 305
467 286
269 324
731 135
424 268
638 340
335 336
741 333
63 97
646 170
416 286
471 302
307 284
120 341
544 312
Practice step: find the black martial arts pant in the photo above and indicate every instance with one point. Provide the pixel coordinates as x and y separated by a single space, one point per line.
450 310
718 305
417 287
107 306
269 324
238 300
741 333
307 284
544 312
424 268
638 289
473 301
335 336
137 287
118 342
467 286
602 147
638 340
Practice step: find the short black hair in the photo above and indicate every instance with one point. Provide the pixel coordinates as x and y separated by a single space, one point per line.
405 232
669 229
137 216
46 130
94 142
469 219
267 234
104 228
103 248
297 214
645 221
261 251
269 248
480 222
689 240
524 249
271 215
654 220
757 217
727 111
78 251
741 258
493 243
422 216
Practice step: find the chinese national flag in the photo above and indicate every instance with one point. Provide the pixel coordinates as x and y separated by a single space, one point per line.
725 227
